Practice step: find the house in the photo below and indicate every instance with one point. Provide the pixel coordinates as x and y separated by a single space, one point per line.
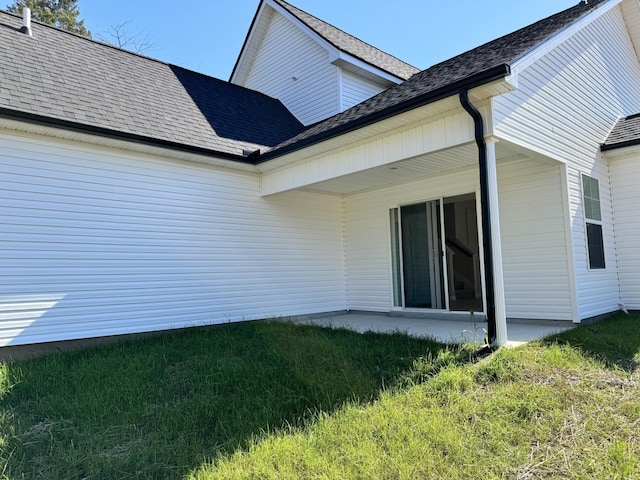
326 176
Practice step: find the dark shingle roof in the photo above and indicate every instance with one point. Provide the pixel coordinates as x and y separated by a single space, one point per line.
442 79
68 78
626 133
352 45
60 76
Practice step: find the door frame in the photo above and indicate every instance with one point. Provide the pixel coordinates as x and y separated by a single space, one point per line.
444 263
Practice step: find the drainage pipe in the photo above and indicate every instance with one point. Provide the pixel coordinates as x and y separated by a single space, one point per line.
487 242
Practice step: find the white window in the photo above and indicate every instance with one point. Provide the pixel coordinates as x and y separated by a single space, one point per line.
593 222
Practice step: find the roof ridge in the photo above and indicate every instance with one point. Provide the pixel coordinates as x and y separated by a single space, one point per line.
104 90
293 10
519 30
89 39
135 54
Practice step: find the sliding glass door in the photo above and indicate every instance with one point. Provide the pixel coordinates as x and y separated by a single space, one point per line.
417 256
435 255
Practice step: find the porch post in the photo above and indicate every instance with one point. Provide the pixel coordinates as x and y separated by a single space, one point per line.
496 244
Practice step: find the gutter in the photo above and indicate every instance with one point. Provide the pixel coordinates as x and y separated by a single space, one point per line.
482 78
616 146
487 243
118 135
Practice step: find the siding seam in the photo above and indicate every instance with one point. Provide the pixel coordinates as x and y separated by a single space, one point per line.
615 237
345 259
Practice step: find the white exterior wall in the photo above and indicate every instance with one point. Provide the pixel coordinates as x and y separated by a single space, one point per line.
356 89
98 242
287 52
625 186
565 106
534 241
533 238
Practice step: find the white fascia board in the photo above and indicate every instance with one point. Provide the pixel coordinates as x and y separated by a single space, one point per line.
248 47
533 55
356 62
335 54
333 51
130 146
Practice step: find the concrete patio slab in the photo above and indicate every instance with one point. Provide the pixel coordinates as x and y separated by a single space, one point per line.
459 329
455 330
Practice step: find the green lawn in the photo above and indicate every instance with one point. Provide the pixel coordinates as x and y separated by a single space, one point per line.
275 400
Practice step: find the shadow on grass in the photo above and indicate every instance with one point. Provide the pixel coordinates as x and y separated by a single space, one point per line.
159 407
614 341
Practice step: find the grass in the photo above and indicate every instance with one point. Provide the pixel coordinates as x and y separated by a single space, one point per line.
160 407
274 400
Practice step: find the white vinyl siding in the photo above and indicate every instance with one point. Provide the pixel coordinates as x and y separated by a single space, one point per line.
625 182
568 101
100 242
598 290
534 241
565 106
356 89
531 212
287 53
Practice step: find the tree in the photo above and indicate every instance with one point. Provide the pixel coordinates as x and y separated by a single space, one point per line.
58 13
118 36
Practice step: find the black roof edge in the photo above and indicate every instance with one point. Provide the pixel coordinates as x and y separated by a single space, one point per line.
615 146
473 81
117 135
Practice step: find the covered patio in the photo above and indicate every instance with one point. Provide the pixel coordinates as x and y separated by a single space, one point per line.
448 330
418 235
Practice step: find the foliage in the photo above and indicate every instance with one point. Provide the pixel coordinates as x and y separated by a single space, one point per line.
276 400
160 407
58 13
119 36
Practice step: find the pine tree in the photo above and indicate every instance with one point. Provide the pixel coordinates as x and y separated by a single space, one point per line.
58 13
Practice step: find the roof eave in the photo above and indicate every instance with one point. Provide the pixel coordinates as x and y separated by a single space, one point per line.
477 80
78 127
618 146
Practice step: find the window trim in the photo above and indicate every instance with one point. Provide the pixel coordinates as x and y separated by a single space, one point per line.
591 221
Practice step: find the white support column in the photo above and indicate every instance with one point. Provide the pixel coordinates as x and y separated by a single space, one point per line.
498 273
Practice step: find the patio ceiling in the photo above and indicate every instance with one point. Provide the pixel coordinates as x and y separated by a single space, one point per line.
423 166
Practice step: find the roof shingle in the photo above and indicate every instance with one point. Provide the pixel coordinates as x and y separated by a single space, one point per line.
352 45
625 133
70 78
473 63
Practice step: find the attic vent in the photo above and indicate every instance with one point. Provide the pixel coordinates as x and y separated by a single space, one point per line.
26 22
584 2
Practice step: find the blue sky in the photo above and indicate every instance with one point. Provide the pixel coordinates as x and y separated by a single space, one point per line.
206 35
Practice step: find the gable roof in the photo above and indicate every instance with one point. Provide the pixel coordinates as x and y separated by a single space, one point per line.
626 133
352 45
79 83
481 65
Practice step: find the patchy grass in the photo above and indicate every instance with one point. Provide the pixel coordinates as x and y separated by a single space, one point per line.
160 407
567 407
271 400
